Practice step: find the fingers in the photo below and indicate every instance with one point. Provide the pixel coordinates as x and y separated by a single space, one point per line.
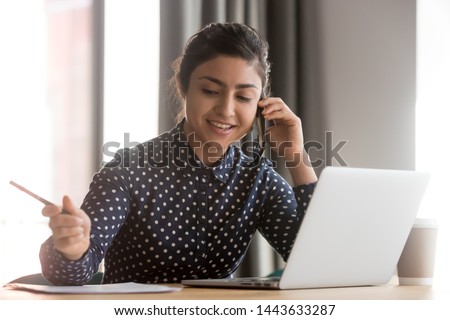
270 105
51 211
285 136
69 246
70 232
65 222
69 207
74 218
277 111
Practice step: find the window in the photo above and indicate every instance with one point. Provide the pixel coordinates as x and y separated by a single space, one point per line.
131 73
432 116
46 122
48 111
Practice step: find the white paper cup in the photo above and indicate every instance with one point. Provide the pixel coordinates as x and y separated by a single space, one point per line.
416 264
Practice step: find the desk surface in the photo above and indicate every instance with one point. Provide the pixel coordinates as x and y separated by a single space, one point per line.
386 292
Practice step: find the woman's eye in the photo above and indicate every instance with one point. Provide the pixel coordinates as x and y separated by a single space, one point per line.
207 91
244 99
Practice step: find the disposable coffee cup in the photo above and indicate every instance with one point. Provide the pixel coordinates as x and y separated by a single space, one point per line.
416 264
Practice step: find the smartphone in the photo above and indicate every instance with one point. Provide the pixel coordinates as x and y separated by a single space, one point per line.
261 129
39 198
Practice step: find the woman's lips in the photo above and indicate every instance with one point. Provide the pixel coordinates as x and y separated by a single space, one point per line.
220 127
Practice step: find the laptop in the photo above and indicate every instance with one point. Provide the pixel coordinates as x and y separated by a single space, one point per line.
353 232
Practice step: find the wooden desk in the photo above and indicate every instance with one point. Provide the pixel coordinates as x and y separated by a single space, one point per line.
386 292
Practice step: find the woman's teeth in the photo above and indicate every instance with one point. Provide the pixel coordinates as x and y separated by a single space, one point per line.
220 125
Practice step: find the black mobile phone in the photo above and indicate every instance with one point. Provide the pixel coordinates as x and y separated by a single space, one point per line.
261 130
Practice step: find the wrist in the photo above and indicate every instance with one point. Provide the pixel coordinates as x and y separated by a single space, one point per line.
300 168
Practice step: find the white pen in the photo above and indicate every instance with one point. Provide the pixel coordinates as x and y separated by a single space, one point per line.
21 188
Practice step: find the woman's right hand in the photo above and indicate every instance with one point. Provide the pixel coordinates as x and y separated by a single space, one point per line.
70 232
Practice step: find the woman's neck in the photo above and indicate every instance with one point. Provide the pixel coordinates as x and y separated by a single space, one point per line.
207 152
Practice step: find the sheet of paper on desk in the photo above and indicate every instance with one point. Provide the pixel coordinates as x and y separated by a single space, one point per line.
127 287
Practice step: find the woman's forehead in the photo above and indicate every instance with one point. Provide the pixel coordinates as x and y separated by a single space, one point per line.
227 71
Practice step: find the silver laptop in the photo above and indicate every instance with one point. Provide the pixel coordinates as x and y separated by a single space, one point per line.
353 233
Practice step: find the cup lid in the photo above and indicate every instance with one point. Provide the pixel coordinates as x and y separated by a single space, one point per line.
425 223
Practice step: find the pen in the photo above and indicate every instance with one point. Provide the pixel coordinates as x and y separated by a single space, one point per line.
39 198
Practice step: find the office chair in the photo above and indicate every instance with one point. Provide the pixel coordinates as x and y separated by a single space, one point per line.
38 278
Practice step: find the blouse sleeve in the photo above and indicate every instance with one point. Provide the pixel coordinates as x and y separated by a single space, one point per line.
283 214
107 204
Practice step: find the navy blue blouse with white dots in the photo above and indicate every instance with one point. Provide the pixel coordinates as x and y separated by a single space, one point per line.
159 215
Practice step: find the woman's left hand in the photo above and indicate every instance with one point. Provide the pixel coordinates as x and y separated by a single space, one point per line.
285 135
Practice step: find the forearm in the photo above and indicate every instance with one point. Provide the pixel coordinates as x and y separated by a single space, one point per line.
294 206
300 168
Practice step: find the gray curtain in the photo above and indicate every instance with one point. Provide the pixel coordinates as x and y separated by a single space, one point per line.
280 22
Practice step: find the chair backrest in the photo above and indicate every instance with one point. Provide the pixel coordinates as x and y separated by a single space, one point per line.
38 278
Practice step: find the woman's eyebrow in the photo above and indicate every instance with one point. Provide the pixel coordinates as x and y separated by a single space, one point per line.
223 84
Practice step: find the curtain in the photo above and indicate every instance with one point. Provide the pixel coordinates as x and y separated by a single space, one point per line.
280 24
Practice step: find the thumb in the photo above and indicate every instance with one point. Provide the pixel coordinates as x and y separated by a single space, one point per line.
68 206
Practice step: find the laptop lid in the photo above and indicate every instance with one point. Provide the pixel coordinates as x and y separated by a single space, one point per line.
353 233
356 226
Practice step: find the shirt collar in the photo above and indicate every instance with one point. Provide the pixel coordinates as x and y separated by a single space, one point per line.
186 159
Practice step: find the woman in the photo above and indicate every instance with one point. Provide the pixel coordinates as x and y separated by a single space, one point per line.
187 203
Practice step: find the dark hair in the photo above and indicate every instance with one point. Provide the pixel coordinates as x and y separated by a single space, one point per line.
231 39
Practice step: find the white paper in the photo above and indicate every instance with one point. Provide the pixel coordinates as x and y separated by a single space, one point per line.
127 287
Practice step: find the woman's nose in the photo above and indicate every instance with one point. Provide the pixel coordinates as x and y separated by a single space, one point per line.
226 106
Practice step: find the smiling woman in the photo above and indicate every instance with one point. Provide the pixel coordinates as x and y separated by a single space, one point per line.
194 215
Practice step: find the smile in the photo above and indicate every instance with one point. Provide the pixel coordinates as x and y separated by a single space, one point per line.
220 125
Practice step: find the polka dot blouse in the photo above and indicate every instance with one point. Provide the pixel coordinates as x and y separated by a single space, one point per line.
159 215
